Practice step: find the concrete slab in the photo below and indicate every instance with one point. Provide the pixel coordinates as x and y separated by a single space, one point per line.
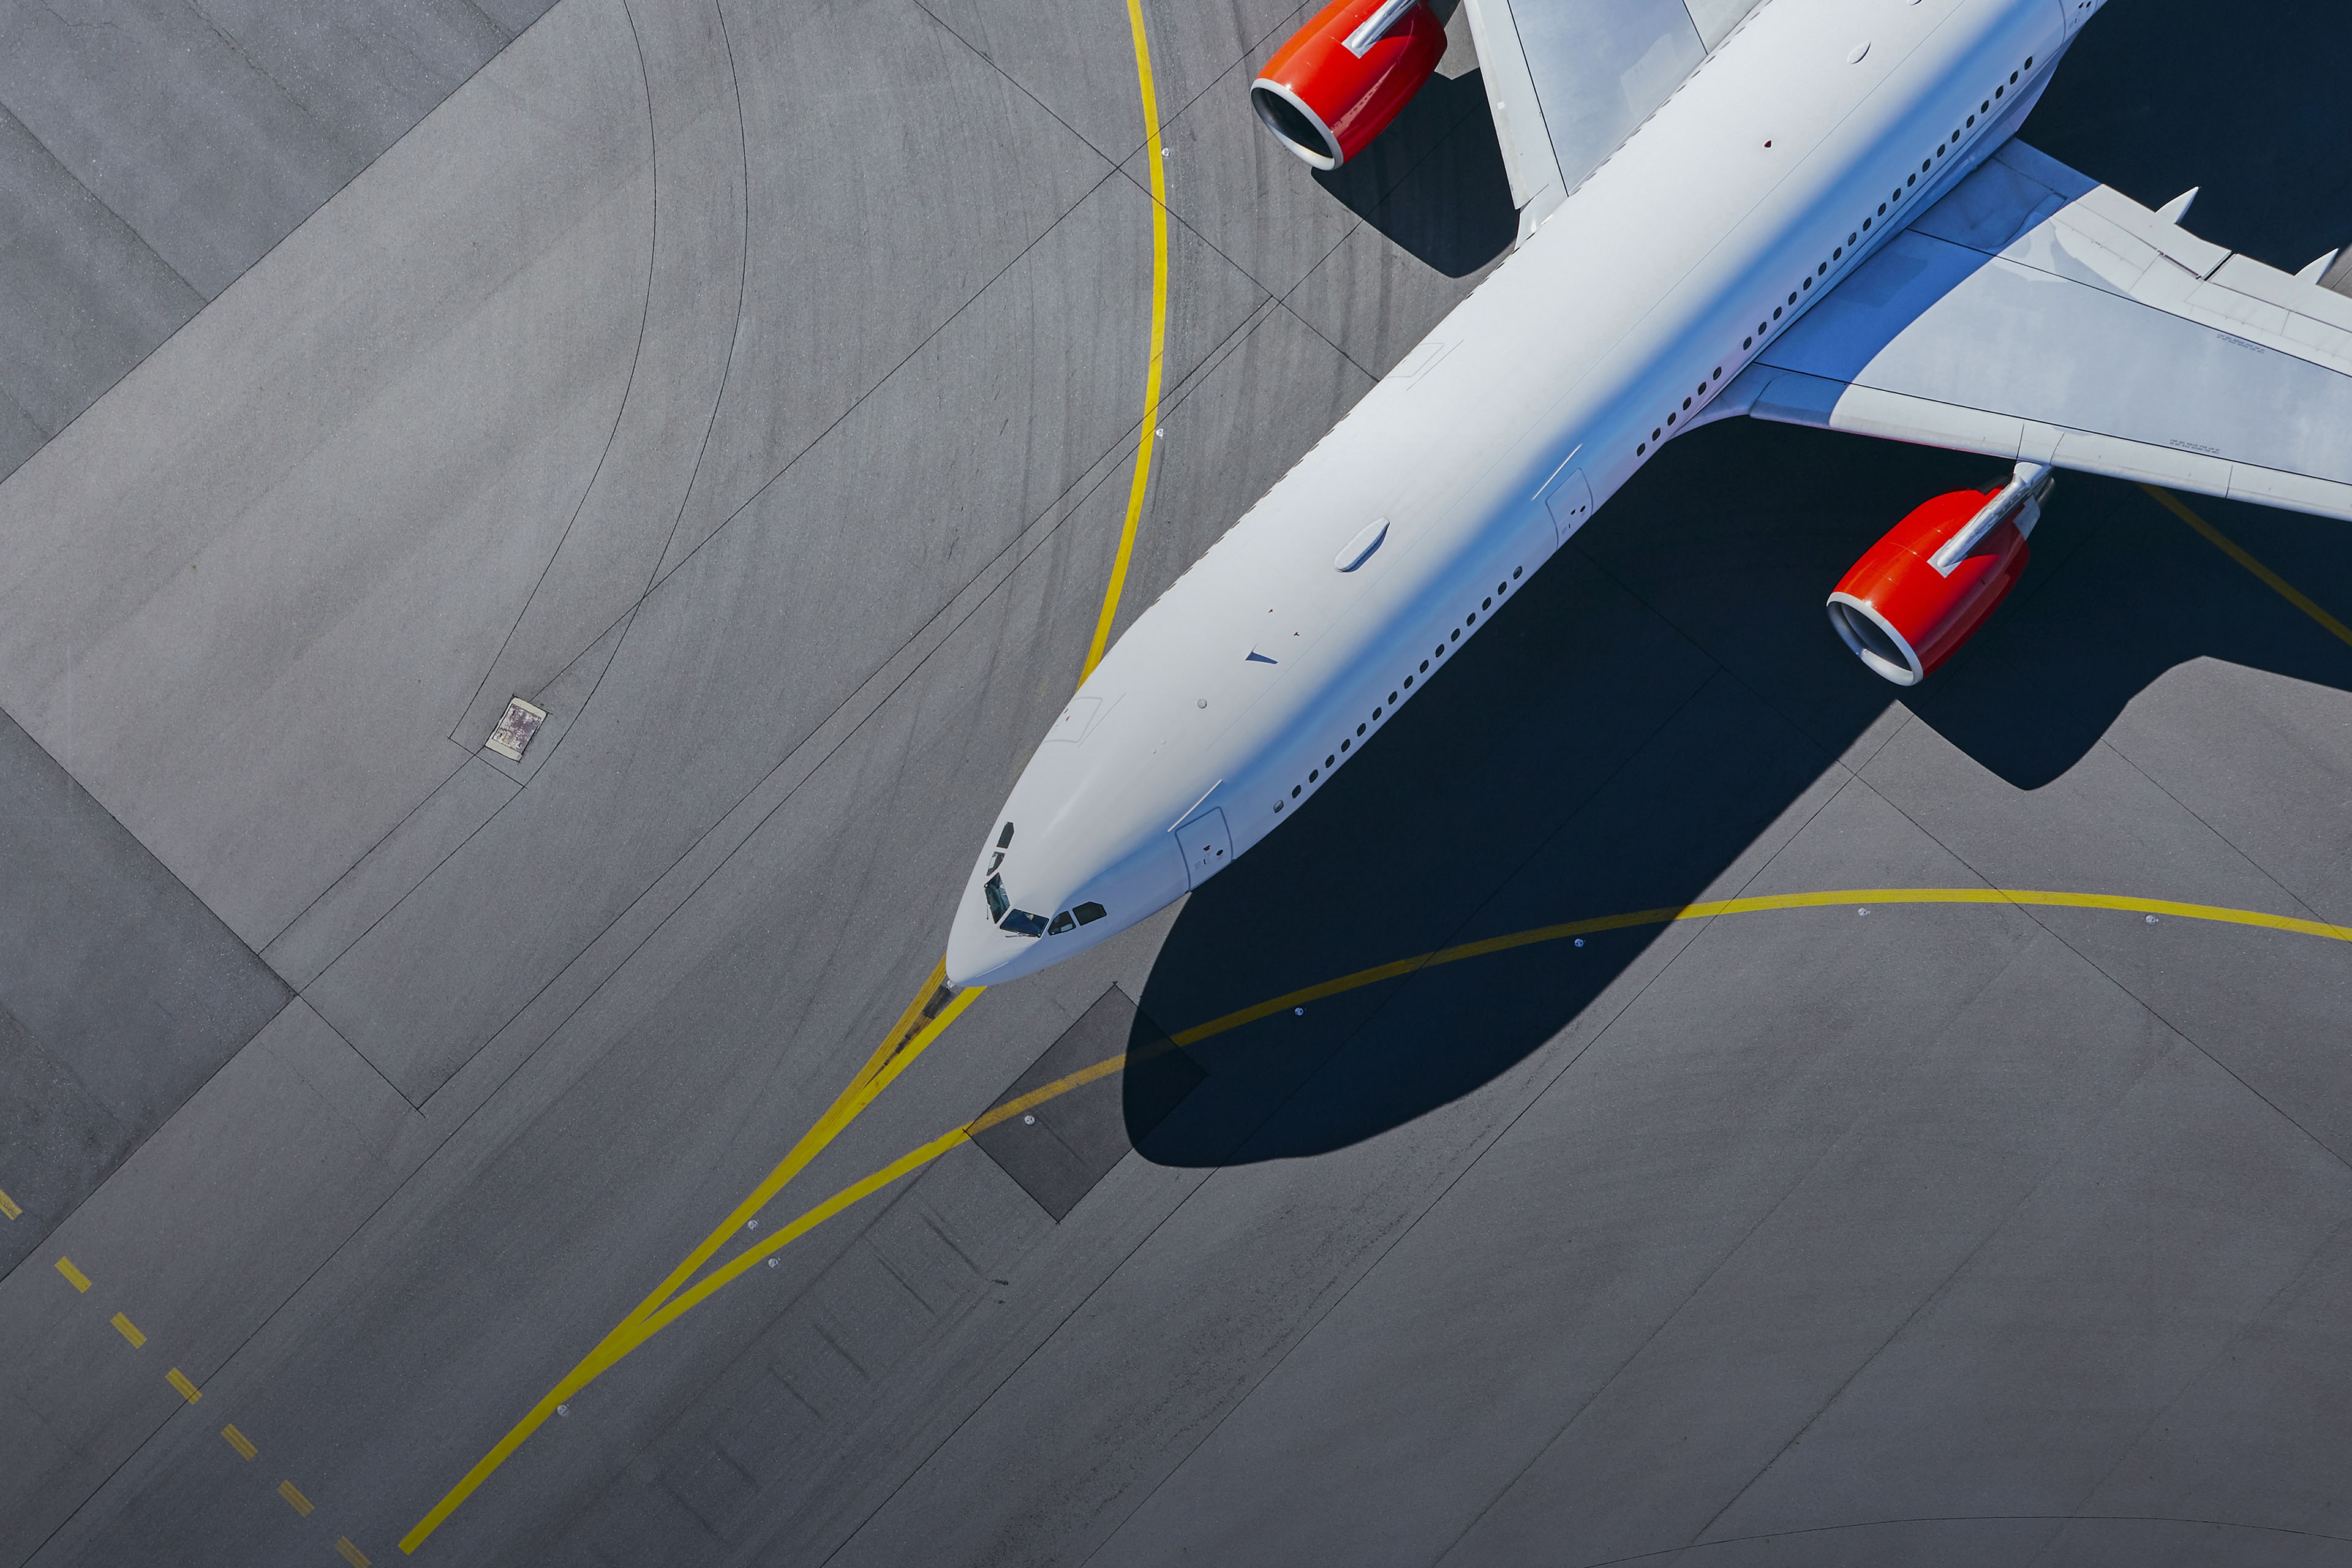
626 516
119 992
1058 1150
363 895
972 173
131 99
128 130
195 1251
342 365
88 299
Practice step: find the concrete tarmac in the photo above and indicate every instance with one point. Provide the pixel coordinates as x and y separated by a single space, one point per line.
757 392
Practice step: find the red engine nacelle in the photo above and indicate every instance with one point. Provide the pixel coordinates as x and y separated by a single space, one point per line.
1922 591
1345 75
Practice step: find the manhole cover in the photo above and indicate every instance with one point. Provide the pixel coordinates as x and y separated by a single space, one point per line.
516 727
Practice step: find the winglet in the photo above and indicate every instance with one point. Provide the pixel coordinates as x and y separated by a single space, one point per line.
2176 209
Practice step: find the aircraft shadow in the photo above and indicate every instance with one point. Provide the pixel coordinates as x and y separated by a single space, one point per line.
1433 183
1622 733
1639 712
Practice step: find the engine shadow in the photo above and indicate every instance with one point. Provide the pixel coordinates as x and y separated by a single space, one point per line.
1624 733
1433 182
1668 687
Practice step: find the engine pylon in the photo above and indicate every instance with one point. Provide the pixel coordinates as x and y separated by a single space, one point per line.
1923 590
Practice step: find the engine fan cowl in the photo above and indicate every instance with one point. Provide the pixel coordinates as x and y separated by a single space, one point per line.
1901 614
1345 75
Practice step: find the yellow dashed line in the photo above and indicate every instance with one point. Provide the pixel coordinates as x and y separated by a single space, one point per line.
179 1380
128 1329
294 1498
74 1277
240 1442
351 1555
9 1207
2231 548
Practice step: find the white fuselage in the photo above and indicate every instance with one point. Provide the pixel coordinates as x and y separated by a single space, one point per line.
1782 161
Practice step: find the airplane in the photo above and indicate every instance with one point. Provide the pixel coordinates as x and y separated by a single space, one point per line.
1807 211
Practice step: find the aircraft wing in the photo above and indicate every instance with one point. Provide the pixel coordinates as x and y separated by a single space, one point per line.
2037 315
1569 81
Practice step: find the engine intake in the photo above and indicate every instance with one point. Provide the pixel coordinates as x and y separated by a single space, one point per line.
1345 75
1922 591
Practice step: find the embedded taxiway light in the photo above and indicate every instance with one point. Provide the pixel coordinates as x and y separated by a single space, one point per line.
516 725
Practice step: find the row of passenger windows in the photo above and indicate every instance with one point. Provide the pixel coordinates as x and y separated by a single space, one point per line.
1837 254
1347 742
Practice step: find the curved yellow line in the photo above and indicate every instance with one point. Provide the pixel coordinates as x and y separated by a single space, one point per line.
897 1052
1146 439
2237 552
1709 910
672 1297
667 1305
1665 915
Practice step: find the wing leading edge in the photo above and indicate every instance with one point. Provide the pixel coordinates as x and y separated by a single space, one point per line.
2034 314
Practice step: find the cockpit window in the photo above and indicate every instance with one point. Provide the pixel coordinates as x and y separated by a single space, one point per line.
1021 923
998 904
1090 913
1004 840
1062 922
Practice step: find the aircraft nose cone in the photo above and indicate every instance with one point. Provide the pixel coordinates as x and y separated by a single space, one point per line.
975 948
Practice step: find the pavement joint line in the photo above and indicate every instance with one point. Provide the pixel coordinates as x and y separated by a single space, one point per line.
74 1277
2237 552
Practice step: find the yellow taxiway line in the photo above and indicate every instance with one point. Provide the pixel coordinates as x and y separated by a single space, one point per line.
1147 438
923 1022
931 1011
669 1303
2231 548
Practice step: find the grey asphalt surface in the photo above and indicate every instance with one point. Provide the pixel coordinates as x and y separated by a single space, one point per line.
757 391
